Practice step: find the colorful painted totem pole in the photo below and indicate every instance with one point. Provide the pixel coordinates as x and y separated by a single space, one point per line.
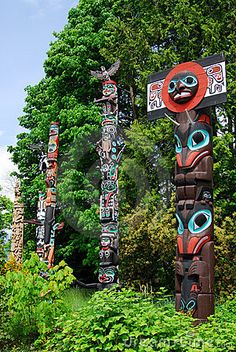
40 225
187 91
46 207
109 148
50 225
17 226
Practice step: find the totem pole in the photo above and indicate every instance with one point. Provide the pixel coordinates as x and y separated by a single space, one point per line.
17 226
109 148
50 225
40 226
187 91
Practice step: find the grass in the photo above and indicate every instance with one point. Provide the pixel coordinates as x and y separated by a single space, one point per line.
75 298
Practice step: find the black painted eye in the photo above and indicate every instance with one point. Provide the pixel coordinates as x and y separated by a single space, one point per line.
198 139
200 221
190 81
172 86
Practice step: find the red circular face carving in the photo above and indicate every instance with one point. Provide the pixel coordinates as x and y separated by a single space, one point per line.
184 87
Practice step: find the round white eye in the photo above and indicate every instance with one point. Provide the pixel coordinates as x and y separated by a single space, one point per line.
107 254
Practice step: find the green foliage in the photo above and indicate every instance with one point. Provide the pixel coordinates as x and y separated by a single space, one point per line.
148 244
224 169
225 251
128 321
113 319
29 302
75 298
6 207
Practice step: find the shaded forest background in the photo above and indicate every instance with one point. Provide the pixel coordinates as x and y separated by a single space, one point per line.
147 36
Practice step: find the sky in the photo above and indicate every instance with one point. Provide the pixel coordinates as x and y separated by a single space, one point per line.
26 30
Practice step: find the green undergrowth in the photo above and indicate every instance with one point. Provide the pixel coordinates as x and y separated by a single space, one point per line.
74 298
129 321
43 315
31 300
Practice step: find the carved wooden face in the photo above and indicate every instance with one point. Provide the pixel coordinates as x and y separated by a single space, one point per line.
192 144
105 241
107 275
108 89
183 87
195 228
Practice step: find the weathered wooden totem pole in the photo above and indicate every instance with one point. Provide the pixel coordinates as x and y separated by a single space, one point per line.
50 225
109 148
187 91
17 226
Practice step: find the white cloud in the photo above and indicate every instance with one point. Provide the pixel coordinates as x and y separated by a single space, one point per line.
6 181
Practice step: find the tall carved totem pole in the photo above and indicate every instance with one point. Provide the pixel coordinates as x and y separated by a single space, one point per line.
46 207
40 225
50 225
17 226
187 91
109 148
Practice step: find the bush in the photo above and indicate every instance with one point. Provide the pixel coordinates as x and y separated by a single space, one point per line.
30 303
128 321
225 251
148 245
117 321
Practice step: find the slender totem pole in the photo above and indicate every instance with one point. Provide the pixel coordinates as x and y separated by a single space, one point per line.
109 148
40 226
46 207
17 226
50 225
187 91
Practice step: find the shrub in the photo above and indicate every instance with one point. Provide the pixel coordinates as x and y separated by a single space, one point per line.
218 334
147 245
117 321
128 321
31 303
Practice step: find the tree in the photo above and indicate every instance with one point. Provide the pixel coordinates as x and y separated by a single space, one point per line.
6 207
148 36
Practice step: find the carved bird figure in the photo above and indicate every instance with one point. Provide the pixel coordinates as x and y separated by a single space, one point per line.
104 74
